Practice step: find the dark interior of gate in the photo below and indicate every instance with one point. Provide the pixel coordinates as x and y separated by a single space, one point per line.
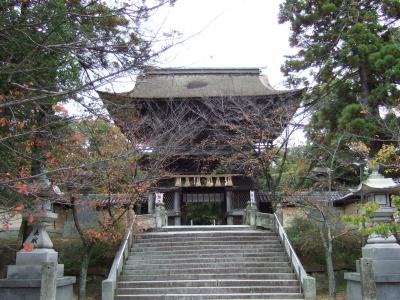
207 200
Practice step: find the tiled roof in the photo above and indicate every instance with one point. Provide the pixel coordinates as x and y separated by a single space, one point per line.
320 196
100 200
200 83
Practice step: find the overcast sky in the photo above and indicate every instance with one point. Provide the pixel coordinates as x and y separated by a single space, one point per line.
227 33
231 33
224 33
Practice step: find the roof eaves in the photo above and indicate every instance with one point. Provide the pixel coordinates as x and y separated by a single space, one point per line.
201 71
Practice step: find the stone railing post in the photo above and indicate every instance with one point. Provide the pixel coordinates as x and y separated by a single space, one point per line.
251 212
309 288
368 285
160 216
48 286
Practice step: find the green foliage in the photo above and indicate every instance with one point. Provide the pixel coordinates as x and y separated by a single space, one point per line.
353 119
351 51
305 238
363 220
396 201
52 52
69 253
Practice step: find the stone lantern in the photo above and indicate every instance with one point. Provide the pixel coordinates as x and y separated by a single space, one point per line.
379 274
378 189
25 278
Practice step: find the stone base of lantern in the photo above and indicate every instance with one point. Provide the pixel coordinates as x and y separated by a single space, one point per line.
385 258
23 280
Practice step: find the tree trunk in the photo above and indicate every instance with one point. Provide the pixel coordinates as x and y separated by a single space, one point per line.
363 72
327 242
24 231
83 272
88 246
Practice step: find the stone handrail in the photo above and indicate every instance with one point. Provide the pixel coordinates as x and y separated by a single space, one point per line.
270 221
108 285
307 282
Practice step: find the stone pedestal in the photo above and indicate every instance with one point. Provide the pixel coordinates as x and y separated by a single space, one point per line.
383 255
251 213
161 215
23 280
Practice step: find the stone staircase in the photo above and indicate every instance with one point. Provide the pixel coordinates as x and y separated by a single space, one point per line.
208 262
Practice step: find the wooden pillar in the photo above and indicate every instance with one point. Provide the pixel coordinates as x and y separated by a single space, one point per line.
229 218
177 207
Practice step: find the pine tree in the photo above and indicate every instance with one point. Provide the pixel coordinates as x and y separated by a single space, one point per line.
349 56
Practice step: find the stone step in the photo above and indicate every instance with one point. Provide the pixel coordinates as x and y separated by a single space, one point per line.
206 252
199 234
208 262
208 290
207 283
194 265
214 247
240 270
207 239
134 260
211 255
221 276
207 228
206 243
242 296
233 239
203 235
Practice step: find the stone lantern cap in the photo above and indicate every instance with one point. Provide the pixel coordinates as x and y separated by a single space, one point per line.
376 182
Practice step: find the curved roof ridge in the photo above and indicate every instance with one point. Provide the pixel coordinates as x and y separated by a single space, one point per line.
172 83
170 71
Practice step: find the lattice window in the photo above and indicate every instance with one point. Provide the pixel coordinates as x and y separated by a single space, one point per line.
240 199
206 197
169 200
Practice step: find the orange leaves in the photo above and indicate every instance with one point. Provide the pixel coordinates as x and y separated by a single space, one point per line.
107 232
3 122
77 138
22 188
17 93
24 171
14 93
41 143
2 98
17 124
29 144
28 246
60 109
52 160
95 235
19 208
30 218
